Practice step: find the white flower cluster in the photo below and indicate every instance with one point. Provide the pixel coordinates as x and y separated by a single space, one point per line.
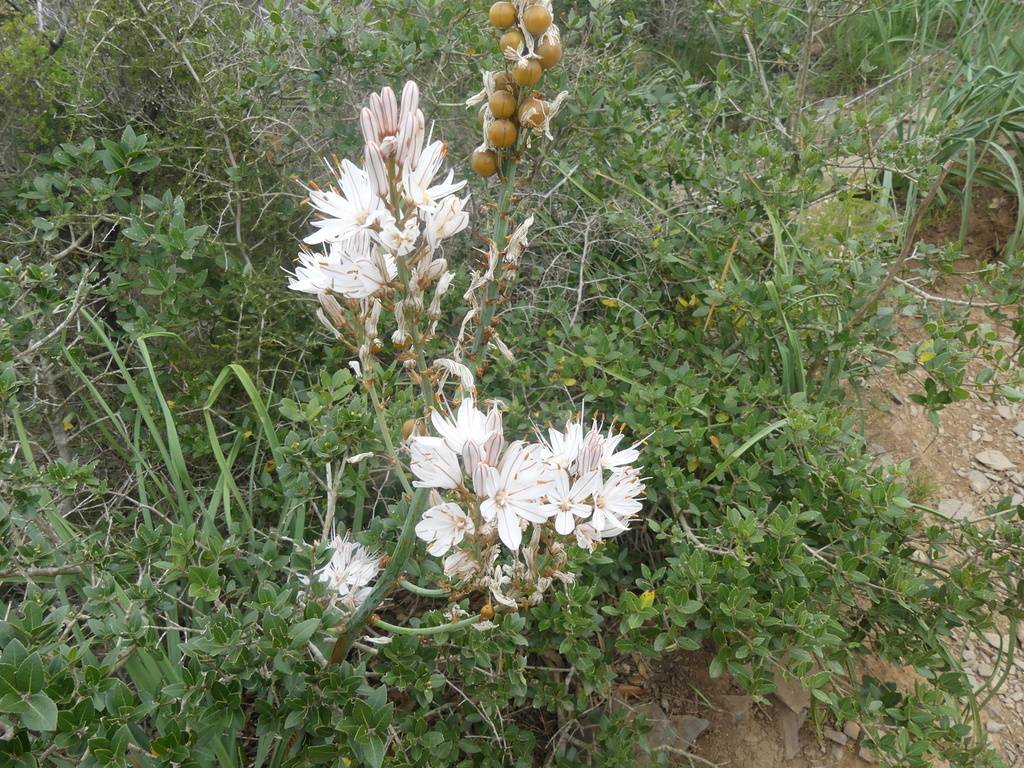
568 483
349 573
381 226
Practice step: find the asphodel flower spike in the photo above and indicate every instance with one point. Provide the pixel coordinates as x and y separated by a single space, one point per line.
512 111
379 226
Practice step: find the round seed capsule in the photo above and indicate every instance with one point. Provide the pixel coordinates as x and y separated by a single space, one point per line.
484 162
512 40
502 133
536 19
533 112
550 54
527 72
502 103
502 14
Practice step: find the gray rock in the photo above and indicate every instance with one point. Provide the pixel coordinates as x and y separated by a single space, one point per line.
984 669
791 693
978 482
995 460
737 706
974 435
675 732
1004 412
994 726
1019 429
956 509
852 729
835 736
790 722
689 728
867 755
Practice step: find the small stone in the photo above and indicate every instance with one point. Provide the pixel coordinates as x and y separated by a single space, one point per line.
1004 412
969 654
978 482
994 726
790 723
984 669
995 640
867 755
916 410
791 693
852 729
956 509
835 736
1019 429
689 728
974 435
995 460
737 706
1016 499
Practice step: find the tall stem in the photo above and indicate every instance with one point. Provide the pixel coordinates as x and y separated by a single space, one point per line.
489 304
388 578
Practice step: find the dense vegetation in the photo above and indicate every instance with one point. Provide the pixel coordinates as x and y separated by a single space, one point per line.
731 194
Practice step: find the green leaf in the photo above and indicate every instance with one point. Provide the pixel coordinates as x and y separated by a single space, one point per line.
41 714
303 631
29 677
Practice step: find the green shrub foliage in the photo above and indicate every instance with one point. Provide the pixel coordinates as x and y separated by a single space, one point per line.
703 268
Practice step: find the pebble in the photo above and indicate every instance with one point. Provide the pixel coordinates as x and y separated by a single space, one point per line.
835 736
852 729
975 436
969 654
995 460
978 482
984 669
1019 429
994 639
956 509
1004 412
867 755
994 726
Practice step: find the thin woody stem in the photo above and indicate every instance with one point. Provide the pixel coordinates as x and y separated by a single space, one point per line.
489 303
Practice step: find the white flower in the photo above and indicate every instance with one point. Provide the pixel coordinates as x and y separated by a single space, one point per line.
443 526
512 492
460 565
434 463
356 209
468 423
591 452
567 500
586 537
417 180
350 571
449 218
564 447
615 461
615 503
400 241
351 268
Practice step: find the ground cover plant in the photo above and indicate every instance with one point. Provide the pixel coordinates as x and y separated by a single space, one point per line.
379 376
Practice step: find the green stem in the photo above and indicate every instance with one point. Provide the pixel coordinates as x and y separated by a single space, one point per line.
388 578
397 630
489 303
416 589
385 433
